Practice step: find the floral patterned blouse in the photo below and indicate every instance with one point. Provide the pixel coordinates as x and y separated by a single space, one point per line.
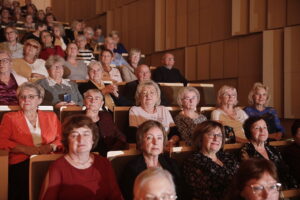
206 179
286 179
187 125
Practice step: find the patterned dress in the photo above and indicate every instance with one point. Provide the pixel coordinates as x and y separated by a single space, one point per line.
287 181
206 179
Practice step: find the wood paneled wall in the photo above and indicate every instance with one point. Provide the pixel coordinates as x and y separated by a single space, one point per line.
235 42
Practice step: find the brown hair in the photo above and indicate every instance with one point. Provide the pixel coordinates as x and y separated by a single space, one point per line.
144 128
78 121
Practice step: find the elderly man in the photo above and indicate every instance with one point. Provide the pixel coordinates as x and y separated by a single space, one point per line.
154 183
118 60
142 73
9 80
166 73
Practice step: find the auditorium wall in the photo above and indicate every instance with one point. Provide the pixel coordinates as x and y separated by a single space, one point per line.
235 42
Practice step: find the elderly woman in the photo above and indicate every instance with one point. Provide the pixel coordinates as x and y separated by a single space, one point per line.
80 174
78 70
111 138
228 114
154 183
27 132
291 154
186 121
9 80
209 170
258 99
30 66
110 73
85 53
256 131
59 91
59 34
29 24
151 138
119 48
148 108
12 44
110 92
127 71
49 49
256 179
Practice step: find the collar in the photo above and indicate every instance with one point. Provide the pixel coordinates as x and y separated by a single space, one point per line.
53 83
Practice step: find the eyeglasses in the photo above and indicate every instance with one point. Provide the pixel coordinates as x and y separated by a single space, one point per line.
8 33
212 135
189 99
93 98
272 188
4 61
151 93
32 45
161 197
24 97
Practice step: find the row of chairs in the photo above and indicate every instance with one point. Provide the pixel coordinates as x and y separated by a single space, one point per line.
39 165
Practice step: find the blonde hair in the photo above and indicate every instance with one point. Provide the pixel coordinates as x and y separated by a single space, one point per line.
183 91
141 87
253 90
222 91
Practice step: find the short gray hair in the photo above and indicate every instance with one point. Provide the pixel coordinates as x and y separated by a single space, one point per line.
92 63
39 90
52 60
222 91
93 90
183 91
141 87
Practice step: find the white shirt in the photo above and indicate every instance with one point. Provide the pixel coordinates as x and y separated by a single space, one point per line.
35 132
39 67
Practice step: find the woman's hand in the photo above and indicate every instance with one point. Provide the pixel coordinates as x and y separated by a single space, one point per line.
45 149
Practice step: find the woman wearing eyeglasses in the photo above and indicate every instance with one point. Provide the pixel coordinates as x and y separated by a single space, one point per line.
256 130
256 179
209 171
27 132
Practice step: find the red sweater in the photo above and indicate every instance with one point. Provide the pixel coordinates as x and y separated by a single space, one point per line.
47 52
95 182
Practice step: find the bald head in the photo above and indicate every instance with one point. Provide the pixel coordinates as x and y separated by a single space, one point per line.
168 60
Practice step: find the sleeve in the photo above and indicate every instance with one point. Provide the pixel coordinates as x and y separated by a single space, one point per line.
215 115
79 98
133 120
6 131
169 117
57 131
278 125
123 61
181 126
125 73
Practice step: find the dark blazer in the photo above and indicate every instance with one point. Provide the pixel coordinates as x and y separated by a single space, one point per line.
165 75
138 164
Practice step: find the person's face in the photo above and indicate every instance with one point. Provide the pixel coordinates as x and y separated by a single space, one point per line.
143 73
56 71
212 141
148 96
259 131
11 35
106 58
297 137
56 32
169 60
88 34
49 19
29 99
229 97
78 27
98 32
155 188
41 15
95 73
31 49
135 58
5 63
116 38
80 140
260 96
72 50
253 189
93 101
110 44
189 100
46 38
153 142
5 13
30 10
81 42
29 19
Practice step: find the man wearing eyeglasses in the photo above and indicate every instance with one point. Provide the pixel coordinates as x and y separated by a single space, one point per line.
9 80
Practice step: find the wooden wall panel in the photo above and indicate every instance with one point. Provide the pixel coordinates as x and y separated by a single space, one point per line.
181 23
125 26
257 15
110 21
191 63
203 62
160 26
205 13
291 72
250 64
293 16
240 17
276 14
170 24
193 22
221 19
216 60
118 20
273 67
230 58
133 27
